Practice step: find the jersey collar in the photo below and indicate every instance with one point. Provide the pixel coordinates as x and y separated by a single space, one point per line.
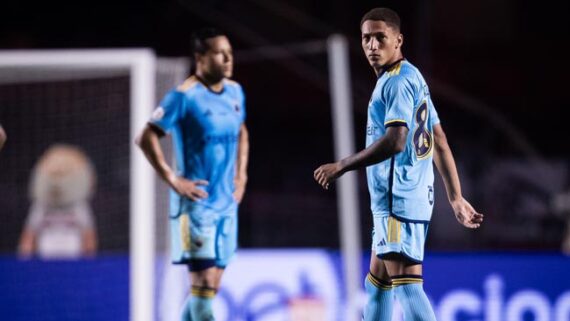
201 80
390 66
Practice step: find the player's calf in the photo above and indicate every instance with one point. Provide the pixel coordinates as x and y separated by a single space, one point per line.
410 293
205 278
380 299
201 303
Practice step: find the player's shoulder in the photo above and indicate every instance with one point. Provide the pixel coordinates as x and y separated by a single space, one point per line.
403 69
171 99
230 83
233 87
188 85
402 74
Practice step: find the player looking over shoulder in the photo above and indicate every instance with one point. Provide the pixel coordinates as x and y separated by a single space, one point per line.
403 140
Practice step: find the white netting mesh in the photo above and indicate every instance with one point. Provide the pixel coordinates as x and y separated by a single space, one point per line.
88 108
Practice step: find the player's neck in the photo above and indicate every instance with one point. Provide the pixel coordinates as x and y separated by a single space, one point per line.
393 62
215 85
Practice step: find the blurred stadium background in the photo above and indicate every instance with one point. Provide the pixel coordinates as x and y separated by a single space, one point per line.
495 70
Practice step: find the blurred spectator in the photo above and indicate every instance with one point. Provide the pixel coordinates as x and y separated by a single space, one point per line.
60 223
3 137
561 206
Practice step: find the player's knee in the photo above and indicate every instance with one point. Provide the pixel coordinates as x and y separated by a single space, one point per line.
203 292
374 286
208 278
204 280
408 279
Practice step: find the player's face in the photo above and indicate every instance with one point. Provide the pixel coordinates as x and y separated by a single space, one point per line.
218 61
381 43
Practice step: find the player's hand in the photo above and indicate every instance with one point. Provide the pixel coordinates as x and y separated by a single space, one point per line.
239 183
466 214
326 174
188 188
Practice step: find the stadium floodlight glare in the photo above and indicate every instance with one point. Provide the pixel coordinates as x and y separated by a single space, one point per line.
140 65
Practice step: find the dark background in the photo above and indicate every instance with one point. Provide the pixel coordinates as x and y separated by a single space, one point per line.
496 70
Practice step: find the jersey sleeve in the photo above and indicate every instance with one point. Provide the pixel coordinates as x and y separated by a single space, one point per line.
434 117
167 114
242 101
399 101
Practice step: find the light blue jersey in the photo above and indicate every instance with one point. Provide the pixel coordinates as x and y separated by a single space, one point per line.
205 128
402 186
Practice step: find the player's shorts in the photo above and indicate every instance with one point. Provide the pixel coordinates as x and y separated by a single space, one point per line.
204 235
393 236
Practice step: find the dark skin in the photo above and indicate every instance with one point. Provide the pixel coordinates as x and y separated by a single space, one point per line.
382 45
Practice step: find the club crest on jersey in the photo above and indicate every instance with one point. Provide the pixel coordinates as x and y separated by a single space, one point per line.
158 113
236 106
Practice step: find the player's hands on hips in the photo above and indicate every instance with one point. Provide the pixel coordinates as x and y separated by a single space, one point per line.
326 174
188 188
239 183
466 214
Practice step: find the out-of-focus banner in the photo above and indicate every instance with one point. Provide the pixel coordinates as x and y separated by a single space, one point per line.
73 290
306 285
499 287
290 285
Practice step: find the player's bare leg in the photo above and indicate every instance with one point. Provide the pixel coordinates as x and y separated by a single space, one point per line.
218 278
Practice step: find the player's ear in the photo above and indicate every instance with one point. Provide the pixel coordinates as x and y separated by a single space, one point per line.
197 58
399 41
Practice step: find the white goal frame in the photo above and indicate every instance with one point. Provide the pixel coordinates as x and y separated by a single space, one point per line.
140 64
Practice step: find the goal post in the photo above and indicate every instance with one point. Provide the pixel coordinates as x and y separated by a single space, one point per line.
347 191
140 64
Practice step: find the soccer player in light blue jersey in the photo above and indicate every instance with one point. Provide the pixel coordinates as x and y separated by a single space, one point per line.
403 139
205 117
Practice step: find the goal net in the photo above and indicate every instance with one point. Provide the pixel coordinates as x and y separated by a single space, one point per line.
94 101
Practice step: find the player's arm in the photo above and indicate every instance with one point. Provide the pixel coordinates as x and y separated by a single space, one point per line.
241 163
445 164
393 142
3 137
149 142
